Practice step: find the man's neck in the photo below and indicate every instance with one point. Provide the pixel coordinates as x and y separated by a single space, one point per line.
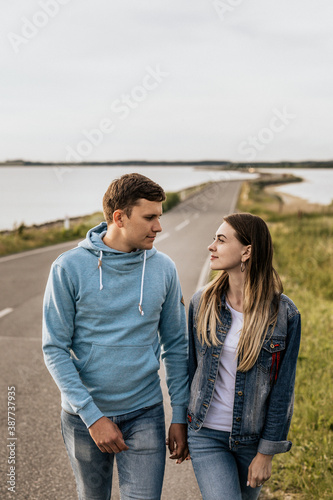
115 243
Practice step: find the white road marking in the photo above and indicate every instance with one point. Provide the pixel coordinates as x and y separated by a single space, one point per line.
6 311
182 225
162 237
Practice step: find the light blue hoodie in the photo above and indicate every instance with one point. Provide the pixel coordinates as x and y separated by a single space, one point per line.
108 315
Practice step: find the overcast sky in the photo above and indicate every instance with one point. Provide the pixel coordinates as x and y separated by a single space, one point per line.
241 80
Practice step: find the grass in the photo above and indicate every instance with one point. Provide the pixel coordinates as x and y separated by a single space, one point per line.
27 238
303 249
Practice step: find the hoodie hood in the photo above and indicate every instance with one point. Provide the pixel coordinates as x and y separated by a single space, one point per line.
112 258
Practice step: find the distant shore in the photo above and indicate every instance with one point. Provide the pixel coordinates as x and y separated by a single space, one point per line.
211 164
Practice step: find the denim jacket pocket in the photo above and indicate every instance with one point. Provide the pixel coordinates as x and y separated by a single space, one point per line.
270 354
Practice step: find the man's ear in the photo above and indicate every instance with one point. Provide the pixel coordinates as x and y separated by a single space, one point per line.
247 253
118 216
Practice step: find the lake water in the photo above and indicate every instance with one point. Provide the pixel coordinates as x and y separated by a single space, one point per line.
317 186
34 195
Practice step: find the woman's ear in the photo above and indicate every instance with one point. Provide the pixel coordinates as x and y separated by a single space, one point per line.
246 253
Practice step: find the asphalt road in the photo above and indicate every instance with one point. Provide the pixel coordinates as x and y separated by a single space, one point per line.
42 467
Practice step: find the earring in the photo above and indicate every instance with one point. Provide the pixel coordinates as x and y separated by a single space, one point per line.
242 266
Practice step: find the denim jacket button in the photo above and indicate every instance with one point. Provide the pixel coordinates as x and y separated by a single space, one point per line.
236 443
238 419
240 393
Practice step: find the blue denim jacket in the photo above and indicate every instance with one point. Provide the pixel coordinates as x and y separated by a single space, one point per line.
264 395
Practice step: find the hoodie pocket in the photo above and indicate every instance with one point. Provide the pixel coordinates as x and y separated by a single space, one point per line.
119 373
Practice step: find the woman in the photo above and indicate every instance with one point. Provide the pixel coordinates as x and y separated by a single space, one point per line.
244 337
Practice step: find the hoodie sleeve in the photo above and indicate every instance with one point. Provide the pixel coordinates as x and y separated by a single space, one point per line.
58 330
173 335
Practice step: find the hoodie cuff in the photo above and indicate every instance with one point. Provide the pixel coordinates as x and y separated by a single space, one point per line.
179 415
90 413
273 447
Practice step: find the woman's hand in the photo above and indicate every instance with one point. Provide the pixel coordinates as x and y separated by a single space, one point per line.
177 442
260 470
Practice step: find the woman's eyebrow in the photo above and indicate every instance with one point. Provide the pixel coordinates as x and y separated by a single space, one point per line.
219 236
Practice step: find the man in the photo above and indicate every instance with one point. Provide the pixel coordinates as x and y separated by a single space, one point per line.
111 307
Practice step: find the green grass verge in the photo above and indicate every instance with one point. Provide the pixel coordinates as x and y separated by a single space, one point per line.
303 249
27 238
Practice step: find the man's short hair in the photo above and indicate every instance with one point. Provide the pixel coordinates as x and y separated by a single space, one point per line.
124 193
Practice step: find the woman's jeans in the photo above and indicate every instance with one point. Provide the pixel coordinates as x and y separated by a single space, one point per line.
220 472
140 468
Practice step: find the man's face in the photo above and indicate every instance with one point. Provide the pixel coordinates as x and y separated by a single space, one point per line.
140 229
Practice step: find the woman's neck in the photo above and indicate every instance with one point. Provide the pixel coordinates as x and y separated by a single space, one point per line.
235 293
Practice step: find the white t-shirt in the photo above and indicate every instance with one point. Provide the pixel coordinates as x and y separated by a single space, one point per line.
219 414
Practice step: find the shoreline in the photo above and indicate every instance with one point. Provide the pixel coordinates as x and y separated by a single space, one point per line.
292 203
223 164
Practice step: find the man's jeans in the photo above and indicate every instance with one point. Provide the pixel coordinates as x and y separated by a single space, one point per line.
140 468
220 472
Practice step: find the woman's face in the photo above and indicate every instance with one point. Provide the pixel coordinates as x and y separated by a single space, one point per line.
227 251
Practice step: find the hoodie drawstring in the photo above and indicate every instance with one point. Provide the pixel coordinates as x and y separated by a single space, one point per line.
142 279
100 270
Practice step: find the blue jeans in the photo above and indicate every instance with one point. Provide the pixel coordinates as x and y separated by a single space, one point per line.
140 468
220 472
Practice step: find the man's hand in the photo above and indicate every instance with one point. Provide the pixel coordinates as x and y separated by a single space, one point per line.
177 442
107 436
260 470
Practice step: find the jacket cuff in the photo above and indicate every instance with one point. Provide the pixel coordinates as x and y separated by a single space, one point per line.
90 414
179 415
273 447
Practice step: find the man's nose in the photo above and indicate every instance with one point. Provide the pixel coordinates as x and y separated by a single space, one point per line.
157 228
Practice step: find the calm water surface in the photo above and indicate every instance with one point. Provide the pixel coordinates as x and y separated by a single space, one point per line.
34 195
317 186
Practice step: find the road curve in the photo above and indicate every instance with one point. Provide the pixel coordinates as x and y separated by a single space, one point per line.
42 468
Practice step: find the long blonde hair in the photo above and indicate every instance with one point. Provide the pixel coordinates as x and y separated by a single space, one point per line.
262 290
